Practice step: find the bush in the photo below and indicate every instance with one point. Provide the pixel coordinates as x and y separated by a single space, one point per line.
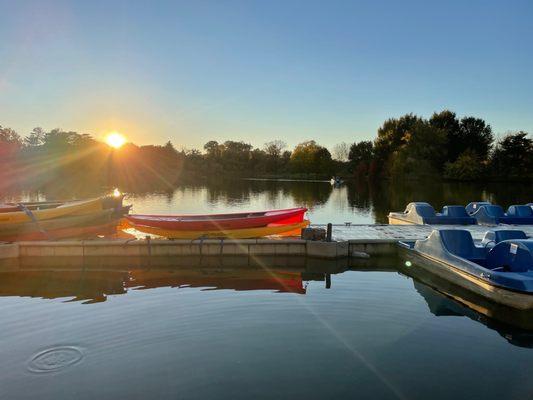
467 167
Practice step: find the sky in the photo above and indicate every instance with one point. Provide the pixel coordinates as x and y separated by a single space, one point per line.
194 71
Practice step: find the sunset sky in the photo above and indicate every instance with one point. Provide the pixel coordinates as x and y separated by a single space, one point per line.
255 71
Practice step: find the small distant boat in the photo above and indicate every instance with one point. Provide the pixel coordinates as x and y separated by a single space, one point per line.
218 222
336 181
421 213
501 269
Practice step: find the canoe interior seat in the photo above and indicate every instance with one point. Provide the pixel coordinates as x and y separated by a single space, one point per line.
511 256
460 243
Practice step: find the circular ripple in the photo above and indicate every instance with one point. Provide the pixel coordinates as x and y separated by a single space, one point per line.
55 359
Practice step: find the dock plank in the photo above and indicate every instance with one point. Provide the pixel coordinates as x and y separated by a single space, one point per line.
412 232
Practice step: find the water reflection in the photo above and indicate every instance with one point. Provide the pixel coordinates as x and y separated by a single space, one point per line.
356 201
445 299
442 297
95 286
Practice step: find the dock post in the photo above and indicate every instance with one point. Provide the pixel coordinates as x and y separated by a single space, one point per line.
328 281
329 232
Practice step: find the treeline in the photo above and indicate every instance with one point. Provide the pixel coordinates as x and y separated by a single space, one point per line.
60 157
409 146
442 146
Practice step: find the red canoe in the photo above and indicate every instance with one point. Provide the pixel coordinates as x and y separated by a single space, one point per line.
192 222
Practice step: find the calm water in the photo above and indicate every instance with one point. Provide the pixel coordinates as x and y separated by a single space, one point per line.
356 203
380 331
239 334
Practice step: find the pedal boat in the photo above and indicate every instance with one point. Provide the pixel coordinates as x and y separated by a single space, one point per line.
499 269
489 214
420 213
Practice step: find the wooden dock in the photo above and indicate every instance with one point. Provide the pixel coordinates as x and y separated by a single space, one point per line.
394 233
349 242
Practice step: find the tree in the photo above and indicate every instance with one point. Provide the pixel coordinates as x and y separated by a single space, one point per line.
236 156
361 152
360 157
474 135
9 137
447 121
423 152
391 136
426 146
274 148
468 166
212 149
341 151
272 155
35 138
513 155
309 157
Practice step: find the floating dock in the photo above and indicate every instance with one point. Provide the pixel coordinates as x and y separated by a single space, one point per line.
349 242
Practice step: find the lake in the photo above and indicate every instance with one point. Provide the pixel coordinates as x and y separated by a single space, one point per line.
370 329
353 202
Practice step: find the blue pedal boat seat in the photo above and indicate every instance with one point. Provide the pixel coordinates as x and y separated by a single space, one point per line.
423 213
511 256
460 243
515 215
492 238
445 244
473 206
521 211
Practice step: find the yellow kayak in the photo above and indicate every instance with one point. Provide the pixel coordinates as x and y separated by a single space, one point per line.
71 208
230 233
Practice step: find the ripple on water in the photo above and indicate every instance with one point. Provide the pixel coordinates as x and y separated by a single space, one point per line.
55 359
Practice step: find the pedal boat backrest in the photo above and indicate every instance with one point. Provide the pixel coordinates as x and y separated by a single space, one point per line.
492 238
460 243
473 206
489 214
511 256
520 211
455 212
419 212
443 243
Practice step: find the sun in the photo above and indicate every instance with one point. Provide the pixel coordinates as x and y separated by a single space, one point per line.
115 140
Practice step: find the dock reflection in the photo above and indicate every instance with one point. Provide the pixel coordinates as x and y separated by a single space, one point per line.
95 286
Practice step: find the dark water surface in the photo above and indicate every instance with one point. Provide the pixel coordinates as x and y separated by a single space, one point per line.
376 333
380 331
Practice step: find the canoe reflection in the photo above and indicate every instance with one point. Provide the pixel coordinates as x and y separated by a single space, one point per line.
95 286
446 299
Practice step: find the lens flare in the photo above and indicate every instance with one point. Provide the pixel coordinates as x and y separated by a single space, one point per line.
115 140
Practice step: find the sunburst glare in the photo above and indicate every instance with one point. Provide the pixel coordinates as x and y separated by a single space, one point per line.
115 140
